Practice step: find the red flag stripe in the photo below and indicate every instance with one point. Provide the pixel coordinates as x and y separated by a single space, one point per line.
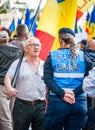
79 14
47 40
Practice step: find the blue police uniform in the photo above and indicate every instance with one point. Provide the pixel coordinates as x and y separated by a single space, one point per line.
58 76
63 73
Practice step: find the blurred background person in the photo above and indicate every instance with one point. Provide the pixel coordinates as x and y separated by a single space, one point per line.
89 88
8 31
7 55
82 45
22 35
90 52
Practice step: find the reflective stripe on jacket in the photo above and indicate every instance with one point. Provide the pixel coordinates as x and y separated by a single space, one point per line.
66 76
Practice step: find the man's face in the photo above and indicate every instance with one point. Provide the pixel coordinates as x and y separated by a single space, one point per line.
33 48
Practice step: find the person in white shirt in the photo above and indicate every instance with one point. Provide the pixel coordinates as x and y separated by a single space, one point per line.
30 88
89 83
89 88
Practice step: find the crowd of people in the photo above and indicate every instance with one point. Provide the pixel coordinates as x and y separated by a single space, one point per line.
54 94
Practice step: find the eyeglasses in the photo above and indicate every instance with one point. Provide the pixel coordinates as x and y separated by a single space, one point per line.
34 45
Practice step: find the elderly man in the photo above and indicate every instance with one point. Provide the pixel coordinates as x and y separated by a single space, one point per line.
30 89
7 55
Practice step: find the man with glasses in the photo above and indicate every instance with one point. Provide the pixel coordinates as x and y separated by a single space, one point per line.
30 89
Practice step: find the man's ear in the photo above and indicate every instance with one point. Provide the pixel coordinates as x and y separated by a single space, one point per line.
25 48
94 47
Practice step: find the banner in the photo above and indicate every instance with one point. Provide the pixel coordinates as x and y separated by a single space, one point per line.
55 15
83 6
86 27
91 33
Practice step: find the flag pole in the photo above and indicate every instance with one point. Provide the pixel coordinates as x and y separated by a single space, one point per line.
35 17
17 70
21 58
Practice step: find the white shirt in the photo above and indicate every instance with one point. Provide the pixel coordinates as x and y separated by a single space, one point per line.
29 83
89 83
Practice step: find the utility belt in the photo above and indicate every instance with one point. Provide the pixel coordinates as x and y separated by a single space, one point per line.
35 102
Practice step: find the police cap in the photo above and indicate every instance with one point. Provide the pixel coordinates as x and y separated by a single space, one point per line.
66 30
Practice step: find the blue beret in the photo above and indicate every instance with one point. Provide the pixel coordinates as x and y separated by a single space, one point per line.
66 30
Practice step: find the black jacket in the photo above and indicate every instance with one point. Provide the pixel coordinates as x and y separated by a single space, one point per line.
91 54
7 55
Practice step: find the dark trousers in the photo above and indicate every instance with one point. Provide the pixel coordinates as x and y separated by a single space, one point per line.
90 125
61 115
26 114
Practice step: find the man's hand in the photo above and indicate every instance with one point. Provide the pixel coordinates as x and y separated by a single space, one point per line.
12 92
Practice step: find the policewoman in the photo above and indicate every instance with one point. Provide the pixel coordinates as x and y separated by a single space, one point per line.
64 71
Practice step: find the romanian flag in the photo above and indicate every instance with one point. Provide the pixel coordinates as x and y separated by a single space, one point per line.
92 24
86 27
55 15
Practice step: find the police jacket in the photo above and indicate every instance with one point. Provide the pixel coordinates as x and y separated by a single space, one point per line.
7 55
54 86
